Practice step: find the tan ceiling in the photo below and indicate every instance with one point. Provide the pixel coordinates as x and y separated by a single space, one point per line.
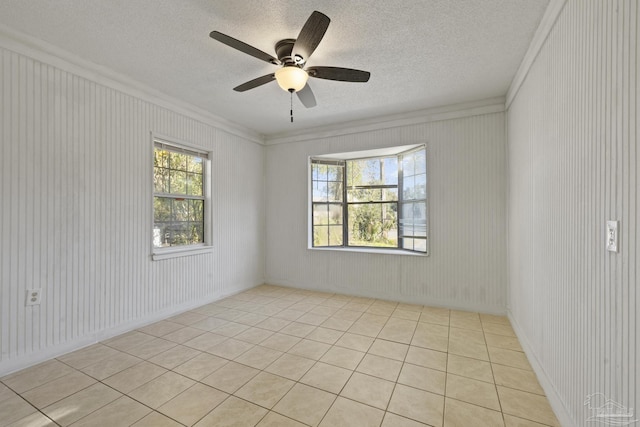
421 53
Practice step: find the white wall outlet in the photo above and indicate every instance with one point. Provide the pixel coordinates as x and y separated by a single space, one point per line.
612 236
33 296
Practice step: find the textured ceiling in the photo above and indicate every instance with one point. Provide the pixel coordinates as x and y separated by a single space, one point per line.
421 53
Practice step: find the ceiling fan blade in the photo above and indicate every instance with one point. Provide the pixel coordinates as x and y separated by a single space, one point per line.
243 47
255 83
340 74
310 35
306 96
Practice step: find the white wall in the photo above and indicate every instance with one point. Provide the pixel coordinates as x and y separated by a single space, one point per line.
573 164
75 215
466 268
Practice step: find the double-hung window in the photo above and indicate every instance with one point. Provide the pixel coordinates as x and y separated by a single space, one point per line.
180 197
371 199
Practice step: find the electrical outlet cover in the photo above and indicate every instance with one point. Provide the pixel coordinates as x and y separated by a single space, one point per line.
33 296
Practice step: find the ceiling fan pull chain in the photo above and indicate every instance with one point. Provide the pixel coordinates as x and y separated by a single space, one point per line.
291 110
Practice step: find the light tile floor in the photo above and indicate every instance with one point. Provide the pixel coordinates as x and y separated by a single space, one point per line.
274 356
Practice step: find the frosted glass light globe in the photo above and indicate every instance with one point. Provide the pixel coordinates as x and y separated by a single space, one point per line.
291 78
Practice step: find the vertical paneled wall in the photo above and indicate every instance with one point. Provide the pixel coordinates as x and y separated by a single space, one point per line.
466 268
573 160
76 219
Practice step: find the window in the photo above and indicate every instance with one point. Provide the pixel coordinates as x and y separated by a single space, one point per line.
180 196
373 199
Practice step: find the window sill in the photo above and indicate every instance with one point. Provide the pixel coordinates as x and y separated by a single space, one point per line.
372 251
180 252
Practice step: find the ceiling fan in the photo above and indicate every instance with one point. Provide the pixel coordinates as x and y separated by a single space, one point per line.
292 55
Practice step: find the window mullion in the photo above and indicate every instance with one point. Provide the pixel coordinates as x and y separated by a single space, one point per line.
345 207
400 201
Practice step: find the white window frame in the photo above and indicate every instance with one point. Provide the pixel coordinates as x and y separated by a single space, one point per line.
158 253
355 155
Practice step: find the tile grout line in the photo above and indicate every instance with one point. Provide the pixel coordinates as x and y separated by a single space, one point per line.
315 361
495 385
38 410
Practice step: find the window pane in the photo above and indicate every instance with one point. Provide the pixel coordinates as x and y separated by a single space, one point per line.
194 184
178 221
162 209
160 236
408 164
373 225
177 233
420 229
408 187
407 211
320 235
334 191
184 233
335 235
364 195
334 173
407 243
420 211
197 232
335 214
420 161
364 172
389 194
177 182
420 245
414 220
406 222
161 158
197 210
420 220
372 195
160 180
178 161
420 186
194 164
181 210
377 171
320 214
327 214
390 171
320 172
320 191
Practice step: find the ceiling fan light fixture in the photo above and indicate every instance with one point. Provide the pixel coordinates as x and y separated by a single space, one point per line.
291 78
292 55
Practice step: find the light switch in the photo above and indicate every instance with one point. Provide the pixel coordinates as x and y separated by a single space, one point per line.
612 236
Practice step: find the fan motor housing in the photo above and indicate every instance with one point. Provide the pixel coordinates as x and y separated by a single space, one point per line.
283 51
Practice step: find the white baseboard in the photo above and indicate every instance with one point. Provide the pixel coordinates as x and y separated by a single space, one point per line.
13 365
420 300
556 402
